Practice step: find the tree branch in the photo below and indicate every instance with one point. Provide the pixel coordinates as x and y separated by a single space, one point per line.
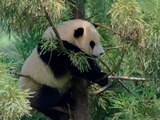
100 90
59 109
103 88
19 74
119 63
110 77
116 47
128 78
110 29
114 74
51 23
125 36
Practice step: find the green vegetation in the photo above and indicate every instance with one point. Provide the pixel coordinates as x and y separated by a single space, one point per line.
13 102
135 24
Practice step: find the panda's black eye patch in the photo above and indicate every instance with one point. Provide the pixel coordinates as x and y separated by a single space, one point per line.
92 44
78 32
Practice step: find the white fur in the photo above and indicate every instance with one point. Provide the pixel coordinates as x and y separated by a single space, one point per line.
41 73
66 31
97 50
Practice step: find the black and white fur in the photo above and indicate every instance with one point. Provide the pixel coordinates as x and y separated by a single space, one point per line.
51 73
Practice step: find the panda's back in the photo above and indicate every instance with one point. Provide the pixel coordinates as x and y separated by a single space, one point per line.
41 73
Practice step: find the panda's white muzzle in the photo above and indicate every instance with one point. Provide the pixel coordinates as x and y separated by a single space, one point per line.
97 51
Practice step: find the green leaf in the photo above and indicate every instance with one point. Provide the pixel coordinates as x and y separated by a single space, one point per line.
79 60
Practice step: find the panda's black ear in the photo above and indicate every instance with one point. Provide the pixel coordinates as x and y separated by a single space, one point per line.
78 32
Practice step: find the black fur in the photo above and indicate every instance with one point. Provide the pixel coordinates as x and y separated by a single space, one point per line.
47 98
78 32
92 44
51 95
60 64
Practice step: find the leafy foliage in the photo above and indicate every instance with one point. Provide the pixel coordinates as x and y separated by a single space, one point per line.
142 105
24 44
35 116
140 59
49 44
126 17
100 104
95 10
78 59
13 103
19 14
138 19
151 43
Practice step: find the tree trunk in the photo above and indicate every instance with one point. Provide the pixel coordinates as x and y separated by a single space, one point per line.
81 96
78 11
81 86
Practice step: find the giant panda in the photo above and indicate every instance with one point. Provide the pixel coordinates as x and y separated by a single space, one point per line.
51 73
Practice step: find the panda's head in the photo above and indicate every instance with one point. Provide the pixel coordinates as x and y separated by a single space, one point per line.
87 39
81 34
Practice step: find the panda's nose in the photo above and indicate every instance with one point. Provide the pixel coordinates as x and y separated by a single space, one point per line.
101 53
98 50
98 55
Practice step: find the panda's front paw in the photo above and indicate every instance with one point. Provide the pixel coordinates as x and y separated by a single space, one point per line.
69 105
72 104
104 81
68 102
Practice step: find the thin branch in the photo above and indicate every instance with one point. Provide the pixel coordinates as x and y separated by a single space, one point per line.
59 109
104 64
116 47
70 112
19 74
23 75
110 77
108 28
93 14
100 90
103 88
50 58
51 24
128 78
125 36
119 63
114 74
124 86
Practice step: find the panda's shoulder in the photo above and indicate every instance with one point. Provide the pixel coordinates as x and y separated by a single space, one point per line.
49 33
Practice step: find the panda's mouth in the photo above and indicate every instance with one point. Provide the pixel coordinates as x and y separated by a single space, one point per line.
97 51
94 56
